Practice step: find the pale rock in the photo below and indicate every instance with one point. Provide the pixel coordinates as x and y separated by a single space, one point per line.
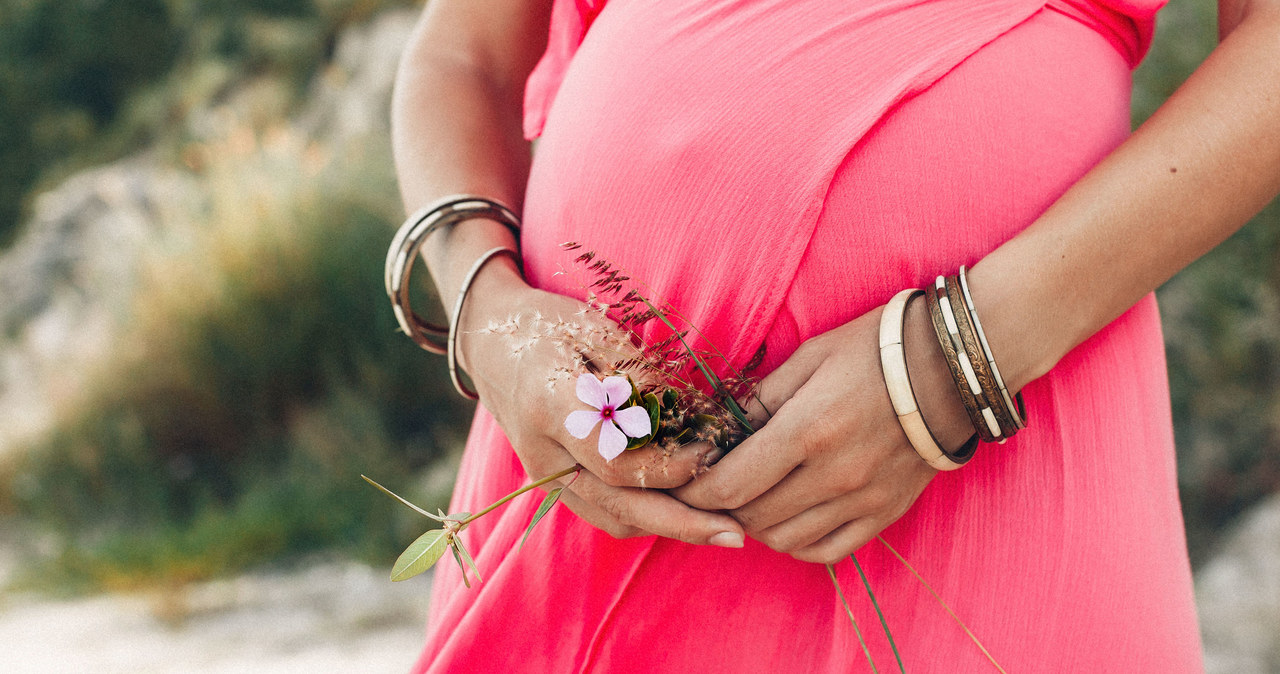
1238 596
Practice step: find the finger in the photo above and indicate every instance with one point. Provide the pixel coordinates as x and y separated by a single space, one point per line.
649 466
842 542
802 489
751 469
658 468
597 517
781 385
658 513
811 525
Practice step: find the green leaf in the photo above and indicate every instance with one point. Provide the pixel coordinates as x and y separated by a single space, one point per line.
421 555
669 398
397 497
654 408
457 557
543 509
637 443
461 550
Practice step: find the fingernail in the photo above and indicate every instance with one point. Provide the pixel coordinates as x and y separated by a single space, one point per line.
726 539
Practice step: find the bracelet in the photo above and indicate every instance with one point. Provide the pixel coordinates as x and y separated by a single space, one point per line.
1016 412
893 361
408 241
968 341
451 348
962 369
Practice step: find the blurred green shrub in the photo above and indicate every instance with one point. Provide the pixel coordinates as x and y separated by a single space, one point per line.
262 373
87 81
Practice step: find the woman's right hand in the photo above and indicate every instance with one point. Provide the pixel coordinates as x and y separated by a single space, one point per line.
622 497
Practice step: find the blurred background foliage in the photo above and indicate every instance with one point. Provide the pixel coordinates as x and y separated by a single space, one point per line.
1222 326
85 81
258 371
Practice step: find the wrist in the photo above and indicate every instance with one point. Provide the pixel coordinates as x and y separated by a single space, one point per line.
489 299
1028 334
451 253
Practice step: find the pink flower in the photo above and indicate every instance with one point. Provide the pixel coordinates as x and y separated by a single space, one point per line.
618 425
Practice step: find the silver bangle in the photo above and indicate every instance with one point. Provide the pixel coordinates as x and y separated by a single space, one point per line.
409 239
452 343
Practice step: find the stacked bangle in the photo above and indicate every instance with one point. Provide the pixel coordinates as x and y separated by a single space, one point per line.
1015 411
408 241
405 246
893 361
996 416
946 327
452 344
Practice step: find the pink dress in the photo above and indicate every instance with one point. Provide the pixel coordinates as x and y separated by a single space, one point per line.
775 168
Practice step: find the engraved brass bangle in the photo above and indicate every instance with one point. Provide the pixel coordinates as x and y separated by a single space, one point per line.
967 339
962 371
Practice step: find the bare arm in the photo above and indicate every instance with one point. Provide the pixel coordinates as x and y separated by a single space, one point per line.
456 122
1207 161
456 128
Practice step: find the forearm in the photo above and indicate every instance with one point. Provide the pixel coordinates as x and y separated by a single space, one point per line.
1205 163
456 126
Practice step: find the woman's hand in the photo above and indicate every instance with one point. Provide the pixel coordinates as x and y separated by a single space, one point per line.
531 408
832 467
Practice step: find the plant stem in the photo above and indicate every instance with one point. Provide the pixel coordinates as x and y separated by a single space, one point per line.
831 571
532 485
876 605
942 603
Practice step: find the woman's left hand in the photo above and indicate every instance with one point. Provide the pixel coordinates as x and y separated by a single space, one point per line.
832 467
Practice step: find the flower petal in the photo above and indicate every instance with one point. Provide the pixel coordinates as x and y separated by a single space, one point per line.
580 423
616 389
590 391
612 441
634 421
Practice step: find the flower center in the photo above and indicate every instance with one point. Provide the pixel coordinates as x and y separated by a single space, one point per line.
607 412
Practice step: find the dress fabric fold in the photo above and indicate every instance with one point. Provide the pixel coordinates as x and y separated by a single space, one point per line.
774 169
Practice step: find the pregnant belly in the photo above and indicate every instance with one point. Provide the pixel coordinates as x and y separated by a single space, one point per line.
724 151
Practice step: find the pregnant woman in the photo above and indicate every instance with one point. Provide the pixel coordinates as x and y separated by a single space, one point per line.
778 170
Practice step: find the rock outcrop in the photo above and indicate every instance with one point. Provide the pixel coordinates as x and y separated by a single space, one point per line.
1238 596
67 282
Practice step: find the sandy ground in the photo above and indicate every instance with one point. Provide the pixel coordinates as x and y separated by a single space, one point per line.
323 617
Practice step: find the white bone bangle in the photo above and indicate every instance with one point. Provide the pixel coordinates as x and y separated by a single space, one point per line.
986 351
893 362
966 366
452 344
